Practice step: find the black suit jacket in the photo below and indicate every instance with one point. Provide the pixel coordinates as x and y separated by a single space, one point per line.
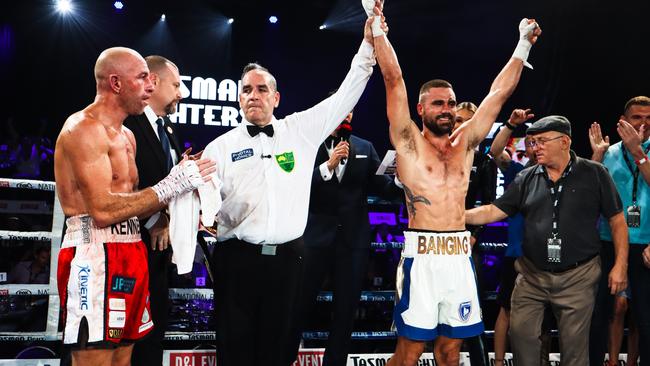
345 203
152 167
149 157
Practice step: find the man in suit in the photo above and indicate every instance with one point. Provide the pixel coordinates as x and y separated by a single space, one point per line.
158 150
337 236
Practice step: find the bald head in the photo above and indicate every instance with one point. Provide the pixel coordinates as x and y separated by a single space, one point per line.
122 78
116 61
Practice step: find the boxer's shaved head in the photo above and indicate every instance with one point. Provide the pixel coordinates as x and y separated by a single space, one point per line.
118 61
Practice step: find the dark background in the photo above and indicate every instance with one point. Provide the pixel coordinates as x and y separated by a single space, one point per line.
591 58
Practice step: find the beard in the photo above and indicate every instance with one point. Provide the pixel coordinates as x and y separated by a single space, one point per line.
171 108
437 129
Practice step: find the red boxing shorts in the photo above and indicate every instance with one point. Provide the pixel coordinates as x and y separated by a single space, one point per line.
103 283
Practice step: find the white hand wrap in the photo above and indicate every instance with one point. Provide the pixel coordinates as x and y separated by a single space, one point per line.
376 27
182 178
368 6
523 46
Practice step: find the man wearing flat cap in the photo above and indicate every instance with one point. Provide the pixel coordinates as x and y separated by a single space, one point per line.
561 199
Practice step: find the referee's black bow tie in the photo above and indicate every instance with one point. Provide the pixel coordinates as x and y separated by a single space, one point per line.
254 130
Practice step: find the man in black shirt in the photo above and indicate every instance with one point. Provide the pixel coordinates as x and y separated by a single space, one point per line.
561 198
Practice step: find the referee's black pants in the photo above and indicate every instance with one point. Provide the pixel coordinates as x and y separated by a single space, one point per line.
255 296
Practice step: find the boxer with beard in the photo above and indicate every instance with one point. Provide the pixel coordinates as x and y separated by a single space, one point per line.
437 297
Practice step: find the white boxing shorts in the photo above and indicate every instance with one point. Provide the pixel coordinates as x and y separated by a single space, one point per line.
436 287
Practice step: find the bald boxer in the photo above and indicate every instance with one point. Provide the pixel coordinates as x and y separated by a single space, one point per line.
437 297
102 270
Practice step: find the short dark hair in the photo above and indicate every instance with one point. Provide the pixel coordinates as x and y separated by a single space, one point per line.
255 66
641 100
435 83
157 63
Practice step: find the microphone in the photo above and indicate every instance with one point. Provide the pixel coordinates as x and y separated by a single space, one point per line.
266 156
344 131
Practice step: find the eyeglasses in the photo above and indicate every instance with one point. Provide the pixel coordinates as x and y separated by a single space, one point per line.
541 142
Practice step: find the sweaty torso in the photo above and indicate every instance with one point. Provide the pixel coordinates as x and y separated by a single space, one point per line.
113 163
435 179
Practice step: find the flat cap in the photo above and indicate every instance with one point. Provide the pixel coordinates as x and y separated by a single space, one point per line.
550 123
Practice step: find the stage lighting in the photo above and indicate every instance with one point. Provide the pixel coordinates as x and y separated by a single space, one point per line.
322 26
231 20
273 19
162 18
118 5
63 6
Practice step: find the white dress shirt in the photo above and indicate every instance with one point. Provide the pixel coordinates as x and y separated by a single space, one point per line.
262 202
325 172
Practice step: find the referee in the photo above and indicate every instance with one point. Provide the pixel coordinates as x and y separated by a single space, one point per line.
265 166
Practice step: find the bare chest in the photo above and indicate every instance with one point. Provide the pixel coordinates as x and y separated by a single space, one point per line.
124 171
438 168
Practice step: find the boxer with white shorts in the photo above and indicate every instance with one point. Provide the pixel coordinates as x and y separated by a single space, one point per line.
438 293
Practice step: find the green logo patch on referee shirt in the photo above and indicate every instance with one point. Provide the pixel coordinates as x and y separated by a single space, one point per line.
286 161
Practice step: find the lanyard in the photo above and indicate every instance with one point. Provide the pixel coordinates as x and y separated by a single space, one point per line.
556 194
634 172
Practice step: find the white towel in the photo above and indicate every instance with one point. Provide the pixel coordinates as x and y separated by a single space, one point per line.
184 221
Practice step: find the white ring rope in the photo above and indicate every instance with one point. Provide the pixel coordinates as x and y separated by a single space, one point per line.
27 184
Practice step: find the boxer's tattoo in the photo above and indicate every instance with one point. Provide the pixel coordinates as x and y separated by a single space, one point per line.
412 199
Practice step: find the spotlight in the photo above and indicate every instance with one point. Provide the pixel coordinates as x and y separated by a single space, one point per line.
162 18
324 26
118 5
273 19
231 20
63 6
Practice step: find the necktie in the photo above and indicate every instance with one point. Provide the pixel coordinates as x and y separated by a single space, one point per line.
164 141
254 130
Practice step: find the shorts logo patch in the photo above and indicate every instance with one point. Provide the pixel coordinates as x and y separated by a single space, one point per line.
286 161
116 319
86 229
145 316
465 310
116 304
124 285
115 332
84 282
239 155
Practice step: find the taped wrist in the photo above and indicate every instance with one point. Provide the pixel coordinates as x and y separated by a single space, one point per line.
376 27
522 50
182 178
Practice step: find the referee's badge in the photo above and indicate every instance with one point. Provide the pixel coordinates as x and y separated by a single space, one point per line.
464 310
285 161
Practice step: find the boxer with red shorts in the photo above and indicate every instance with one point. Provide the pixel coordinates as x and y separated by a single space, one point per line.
102 273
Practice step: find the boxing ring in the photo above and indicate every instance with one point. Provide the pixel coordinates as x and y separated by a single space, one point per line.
49 291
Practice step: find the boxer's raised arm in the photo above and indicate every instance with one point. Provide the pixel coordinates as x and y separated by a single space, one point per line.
403 131
504 84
